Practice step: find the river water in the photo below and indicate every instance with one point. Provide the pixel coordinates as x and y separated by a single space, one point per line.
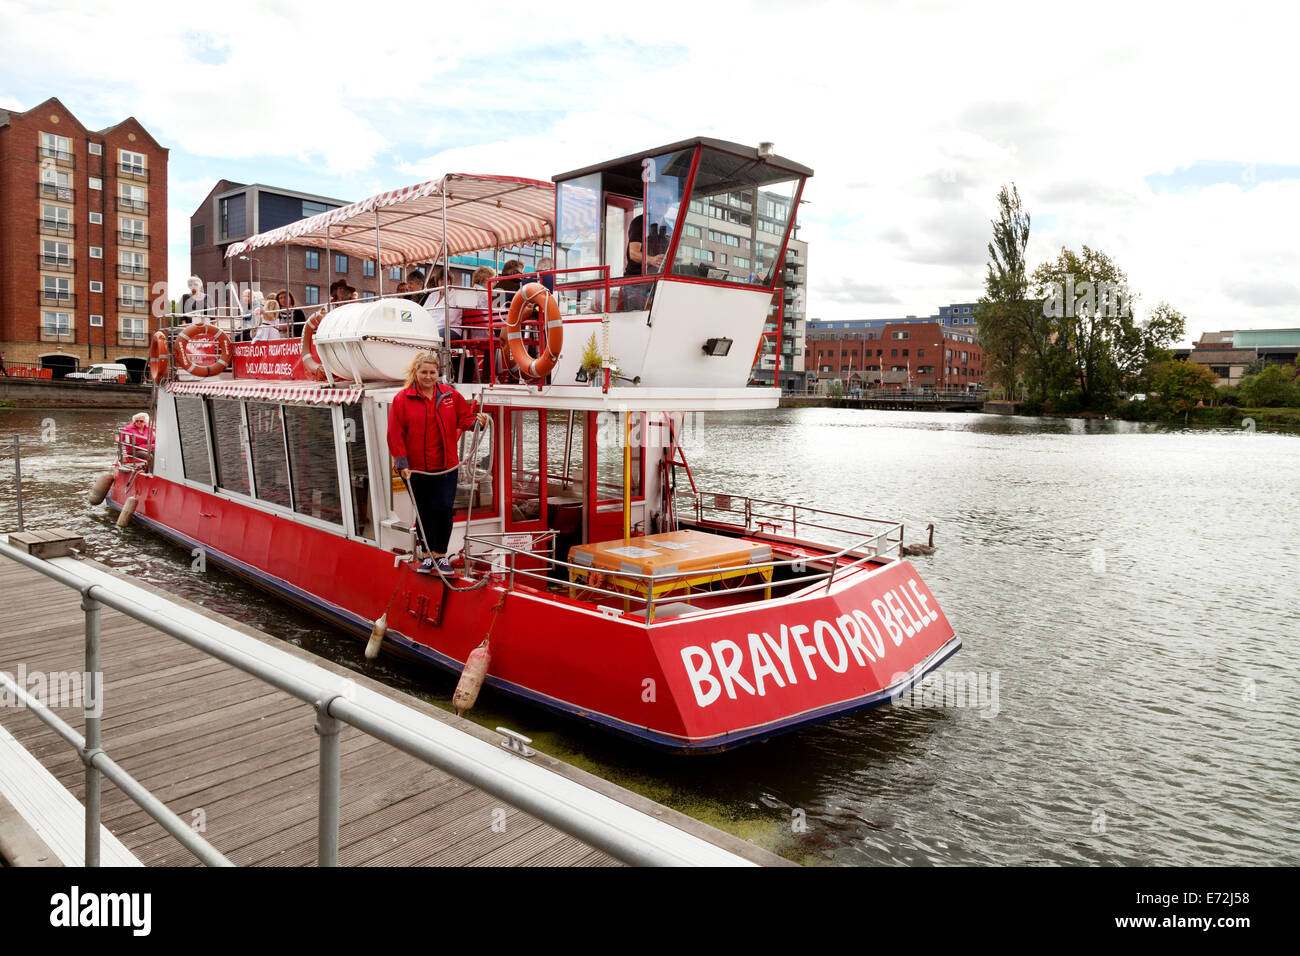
1125 594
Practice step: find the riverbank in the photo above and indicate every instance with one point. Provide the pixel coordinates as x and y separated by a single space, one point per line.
37 393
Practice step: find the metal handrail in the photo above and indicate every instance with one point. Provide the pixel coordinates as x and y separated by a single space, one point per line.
754 519
598 820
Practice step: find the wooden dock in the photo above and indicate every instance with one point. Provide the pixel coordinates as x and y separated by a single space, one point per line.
239 759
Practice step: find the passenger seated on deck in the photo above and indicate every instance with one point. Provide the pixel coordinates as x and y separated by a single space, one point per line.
415 287
137 437
292 319
512 268
267 330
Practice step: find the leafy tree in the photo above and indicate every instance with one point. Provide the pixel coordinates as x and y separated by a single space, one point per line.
1181 385
1087 298
1141 346
1271 388
1004 313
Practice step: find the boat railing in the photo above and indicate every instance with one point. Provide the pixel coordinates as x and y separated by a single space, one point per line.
488 562
788 519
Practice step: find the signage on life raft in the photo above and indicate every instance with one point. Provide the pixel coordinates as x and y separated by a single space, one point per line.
278 360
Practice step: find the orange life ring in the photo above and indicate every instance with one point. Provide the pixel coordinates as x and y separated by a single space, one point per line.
528 298
158 357
202 330
310 364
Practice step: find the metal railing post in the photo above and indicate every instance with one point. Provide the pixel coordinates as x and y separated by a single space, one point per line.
18 481
93 707
327 810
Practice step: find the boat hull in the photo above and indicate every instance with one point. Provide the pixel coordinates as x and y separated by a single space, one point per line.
699 683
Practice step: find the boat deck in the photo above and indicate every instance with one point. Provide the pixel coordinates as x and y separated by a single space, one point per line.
240 760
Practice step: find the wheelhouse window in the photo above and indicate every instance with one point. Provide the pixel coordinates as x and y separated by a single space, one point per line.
313 467
578 225
194 438
228 437
270 463
736 202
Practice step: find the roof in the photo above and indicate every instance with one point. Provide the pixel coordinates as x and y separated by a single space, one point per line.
482 212
749 152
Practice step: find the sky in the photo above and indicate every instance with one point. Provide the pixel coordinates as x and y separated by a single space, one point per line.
1163 134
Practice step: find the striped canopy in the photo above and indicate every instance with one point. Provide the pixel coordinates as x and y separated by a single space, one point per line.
483 212
308 393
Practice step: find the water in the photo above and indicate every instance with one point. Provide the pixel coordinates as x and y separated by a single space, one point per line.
1130 586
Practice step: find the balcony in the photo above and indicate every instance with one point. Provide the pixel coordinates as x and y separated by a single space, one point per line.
133 305
138 239
50 333
129 272
132 205
139 173
56 192
132 339
61 157
55 263
55 227
63 300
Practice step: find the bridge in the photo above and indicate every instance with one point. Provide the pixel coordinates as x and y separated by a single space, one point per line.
896 400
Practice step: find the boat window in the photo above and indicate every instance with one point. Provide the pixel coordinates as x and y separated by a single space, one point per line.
312 466
564 446
354 443
525 465
270 466
228 436
609 455
485 503
738 207
578 226
665 178
194 438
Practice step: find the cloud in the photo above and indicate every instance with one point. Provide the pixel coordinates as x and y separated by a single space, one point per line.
1265 293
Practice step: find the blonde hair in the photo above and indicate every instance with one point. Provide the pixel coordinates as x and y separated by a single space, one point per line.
422 358
481 275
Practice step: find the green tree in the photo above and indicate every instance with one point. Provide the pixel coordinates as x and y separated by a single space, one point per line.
1140 346
1004 314
1181 385
1087 298
1271 388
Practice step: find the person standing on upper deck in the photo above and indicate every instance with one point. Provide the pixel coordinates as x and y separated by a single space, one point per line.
424 423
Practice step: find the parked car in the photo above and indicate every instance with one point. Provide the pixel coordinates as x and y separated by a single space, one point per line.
108 372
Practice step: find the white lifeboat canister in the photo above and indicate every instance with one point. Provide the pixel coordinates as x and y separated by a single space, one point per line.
375 341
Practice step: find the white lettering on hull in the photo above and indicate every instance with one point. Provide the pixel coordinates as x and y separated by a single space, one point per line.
855 638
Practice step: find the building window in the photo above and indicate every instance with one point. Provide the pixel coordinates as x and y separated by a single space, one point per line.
56 217
96 321
367 294
96 252
311 208
132 263
341 264
312 260
56 253
311 295
920 353
395 273
95 182
368 268
132 327
96 149
96 286
56 147
56 323
55 287
96 218
131 162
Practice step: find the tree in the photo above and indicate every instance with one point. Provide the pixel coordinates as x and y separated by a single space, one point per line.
1270 388
1143 345
1004 313
1181 385
1086 297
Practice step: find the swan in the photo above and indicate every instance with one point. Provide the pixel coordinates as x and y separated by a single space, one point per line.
912 550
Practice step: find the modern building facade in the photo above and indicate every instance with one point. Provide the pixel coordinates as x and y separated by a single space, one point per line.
83 240
1230 352
896 356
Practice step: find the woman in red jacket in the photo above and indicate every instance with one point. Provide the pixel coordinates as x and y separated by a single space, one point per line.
424 423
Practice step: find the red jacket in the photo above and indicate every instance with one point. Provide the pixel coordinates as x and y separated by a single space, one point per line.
422 433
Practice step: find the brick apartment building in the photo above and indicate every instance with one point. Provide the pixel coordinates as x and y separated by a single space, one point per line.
897 355
83 240
234 211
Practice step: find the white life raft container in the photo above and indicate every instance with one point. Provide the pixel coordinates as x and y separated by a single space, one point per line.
376 341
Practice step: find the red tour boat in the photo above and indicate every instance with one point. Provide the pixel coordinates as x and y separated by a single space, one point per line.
609 586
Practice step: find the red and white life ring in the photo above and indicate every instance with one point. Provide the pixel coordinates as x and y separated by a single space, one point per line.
310 363
202 331
158 357
531 299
